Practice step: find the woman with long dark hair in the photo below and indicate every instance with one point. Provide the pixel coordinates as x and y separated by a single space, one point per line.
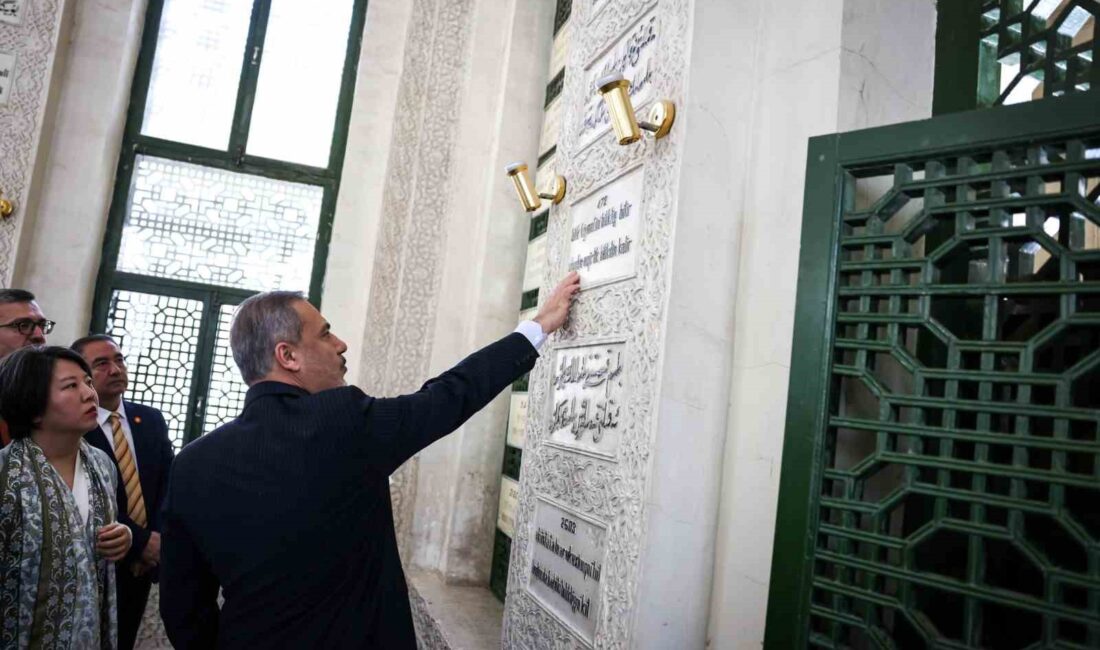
59 536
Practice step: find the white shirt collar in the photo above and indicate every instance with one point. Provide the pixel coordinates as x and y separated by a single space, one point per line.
104 413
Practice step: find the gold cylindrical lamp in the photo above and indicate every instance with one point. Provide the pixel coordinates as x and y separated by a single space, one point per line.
528 195
6 207
615 90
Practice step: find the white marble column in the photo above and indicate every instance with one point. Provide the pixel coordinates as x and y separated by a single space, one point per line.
817 67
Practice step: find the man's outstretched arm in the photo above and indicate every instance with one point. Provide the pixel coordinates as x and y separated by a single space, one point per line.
400 427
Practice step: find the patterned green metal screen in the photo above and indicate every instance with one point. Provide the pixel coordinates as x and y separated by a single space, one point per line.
941 472
1037 48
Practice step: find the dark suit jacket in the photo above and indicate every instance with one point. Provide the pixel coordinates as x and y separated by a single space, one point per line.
154 453
287 509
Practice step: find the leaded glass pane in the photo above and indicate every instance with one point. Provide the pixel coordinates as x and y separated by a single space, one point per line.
196 70
303 57
200 224
159 336
225 397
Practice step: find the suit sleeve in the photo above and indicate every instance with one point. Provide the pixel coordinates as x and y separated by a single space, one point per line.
167 455
188 588
399 427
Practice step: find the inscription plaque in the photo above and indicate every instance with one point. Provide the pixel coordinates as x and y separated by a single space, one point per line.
509 501
536 263
517 420
631 55
604 231
587 397
566 563
7 76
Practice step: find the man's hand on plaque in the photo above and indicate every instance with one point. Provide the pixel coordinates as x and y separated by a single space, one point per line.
555 311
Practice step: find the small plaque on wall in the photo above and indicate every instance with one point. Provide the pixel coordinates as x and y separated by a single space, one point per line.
587 398
560 52
11 11
632 56
509 501
566 566
551 124
603 237
7 76
517 420
535 266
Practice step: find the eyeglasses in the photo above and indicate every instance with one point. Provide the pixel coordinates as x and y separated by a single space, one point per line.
26 326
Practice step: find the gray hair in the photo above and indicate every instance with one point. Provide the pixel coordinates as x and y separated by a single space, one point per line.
9 296
261 323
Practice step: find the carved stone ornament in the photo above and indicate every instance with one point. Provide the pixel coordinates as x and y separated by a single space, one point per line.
32 42
406 278
611 491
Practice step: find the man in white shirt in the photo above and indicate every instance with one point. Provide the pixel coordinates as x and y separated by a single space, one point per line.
136 437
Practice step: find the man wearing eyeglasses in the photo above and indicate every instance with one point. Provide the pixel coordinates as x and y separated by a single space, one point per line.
21 324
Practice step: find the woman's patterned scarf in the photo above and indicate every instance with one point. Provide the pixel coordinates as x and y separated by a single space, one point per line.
54 590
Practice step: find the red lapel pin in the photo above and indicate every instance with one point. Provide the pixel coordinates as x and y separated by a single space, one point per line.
137 420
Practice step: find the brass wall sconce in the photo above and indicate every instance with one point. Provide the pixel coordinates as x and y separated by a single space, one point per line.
528 195
615 90
6 207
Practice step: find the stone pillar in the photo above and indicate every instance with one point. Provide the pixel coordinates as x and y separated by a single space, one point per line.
444 258
77 162
618 499
816 68
29 56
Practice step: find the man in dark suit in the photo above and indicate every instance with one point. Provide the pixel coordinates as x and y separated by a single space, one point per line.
136 436
287 508
21 324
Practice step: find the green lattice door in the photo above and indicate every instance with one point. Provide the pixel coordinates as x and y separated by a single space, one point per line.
941 470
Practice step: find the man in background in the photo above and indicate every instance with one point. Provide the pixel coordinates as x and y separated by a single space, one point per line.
136 437
21 324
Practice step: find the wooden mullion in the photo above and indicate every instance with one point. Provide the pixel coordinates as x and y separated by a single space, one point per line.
250 73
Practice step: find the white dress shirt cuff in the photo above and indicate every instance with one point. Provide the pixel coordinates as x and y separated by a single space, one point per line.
533 332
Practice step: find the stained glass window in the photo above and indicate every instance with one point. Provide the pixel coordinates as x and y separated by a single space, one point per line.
227 182
200 224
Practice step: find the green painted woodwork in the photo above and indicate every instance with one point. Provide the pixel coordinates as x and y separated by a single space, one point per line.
109 279
513 460
1044 38
941 460
498 569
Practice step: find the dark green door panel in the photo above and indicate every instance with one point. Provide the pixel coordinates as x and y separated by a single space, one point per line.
941 463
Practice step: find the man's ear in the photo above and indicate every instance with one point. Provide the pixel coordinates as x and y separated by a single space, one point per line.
285 357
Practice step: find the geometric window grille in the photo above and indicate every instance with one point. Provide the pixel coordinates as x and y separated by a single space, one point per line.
190 222
1038 48
225 394
953 470
157 334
